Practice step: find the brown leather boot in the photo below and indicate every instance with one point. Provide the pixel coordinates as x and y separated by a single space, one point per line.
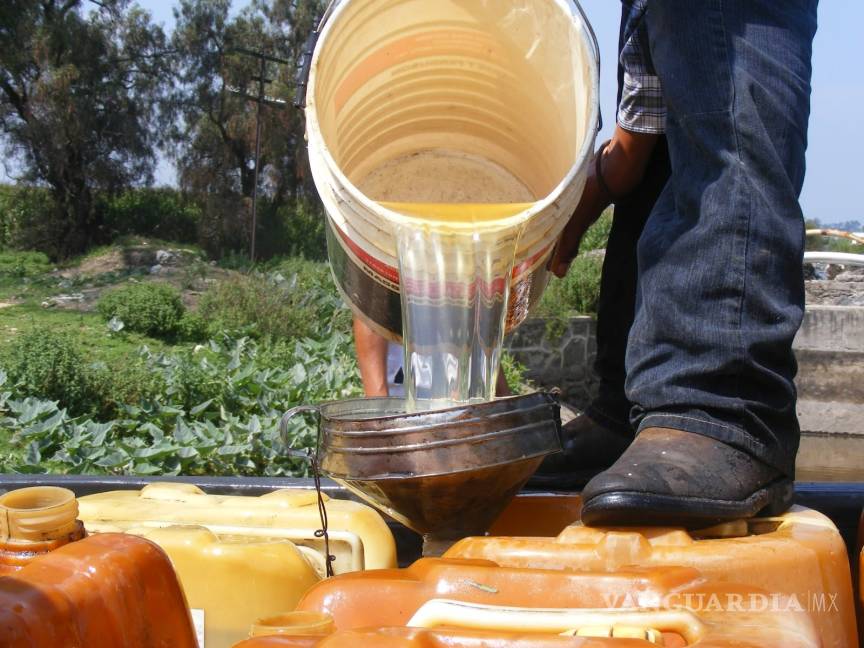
674 478
589 448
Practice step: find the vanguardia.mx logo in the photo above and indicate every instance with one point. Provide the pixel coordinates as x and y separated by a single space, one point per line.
728 602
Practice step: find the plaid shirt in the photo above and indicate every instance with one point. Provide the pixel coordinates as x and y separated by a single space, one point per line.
641 107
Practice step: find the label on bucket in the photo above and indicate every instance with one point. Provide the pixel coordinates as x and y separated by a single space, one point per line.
198 622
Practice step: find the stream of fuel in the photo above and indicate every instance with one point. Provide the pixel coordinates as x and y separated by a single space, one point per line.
454 279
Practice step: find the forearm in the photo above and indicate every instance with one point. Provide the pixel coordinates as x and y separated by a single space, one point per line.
624 161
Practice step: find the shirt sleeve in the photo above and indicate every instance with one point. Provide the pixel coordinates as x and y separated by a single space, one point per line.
642 108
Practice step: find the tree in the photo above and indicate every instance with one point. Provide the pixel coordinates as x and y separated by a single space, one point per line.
215 138
81 92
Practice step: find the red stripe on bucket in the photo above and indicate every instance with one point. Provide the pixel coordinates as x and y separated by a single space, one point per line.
451 290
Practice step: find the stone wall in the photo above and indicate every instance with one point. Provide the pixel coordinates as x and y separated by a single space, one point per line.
564 361
829 348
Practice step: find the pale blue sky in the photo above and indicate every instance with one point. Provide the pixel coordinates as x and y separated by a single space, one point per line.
834 188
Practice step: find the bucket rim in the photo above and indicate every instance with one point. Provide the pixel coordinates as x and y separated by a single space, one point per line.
316 141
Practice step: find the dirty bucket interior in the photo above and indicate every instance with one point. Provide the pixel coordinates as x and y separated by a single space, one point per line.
446 473
464 95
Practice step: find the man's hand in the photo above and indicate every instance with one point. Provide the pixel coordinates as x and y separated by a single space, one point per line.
590 206
622 165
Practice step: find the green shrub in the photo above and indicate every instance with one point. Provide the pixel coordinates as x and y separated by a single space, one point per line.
576 294
296 299
148 308
515 374
579 292
24 264
28 219
294 229
161 213
597 235
192 327
48 364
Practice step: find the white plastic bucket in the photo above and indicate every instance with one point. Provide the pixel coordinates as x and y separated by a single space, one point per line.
509 89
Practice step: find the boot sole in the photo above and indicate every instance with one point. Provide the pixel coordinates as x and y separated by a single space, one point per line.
630 508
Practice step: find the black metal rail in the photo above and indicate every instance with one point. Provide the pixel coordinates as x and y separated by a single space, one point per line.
842 502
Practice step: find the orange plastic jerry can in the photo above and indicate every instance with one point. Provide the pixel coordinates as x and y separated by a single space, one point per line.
106 591
537 515
450 638
677 603
859 553
799 554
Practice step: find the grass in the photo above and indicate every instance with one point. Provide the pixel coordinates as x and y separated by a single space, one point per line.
26 280
87 328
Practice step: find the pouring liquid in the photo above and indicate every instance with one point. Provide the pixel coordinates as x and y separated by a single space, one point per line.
454 280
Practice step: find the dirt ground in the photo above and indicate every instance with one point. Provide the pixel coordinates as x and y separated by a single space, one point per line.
86 282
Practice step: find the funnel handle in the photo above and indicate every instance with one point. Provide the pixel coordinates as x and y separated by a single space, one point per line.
287 416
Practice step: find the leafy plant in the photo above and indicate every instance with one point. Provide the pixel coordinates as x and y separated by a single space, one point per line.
149 308
217 412
48 364
515 373
297 299
579 291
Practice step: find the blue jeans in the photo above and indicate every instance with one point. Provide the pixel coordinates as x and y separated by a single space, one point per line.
720 290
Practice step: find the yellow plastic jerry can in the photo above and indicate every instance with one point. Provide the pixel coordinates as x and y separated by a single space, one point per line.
230 581
359 537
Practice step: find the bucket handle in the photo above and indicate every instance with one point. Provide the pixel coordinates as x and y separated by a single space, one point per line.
596 45
301 80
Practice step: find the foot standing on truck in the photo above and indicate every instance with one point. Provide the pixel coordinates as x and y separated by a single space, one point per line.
719 293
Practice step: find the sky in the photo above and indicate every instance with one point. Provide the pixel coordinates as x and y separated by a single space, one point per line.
834 186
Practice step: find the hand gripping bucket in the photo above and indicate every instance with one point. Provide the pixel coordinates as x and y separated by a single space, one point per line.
466 115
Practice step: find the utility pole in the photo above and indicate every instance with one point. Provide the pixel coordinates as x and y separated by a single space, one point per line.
260 99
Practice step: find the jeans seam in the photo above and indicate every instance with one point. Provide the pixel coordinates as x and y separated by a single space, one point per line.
739 324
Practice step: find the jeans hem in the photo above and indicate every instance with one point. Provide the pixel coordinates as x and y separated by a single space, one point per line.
734 436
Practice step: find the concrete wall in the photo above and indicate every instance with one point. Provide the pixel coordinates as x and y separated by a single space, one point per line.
832 328
829 348
830 352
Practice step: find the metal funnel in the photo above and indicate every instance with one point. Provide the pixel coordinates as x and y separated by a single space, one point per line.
445 473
